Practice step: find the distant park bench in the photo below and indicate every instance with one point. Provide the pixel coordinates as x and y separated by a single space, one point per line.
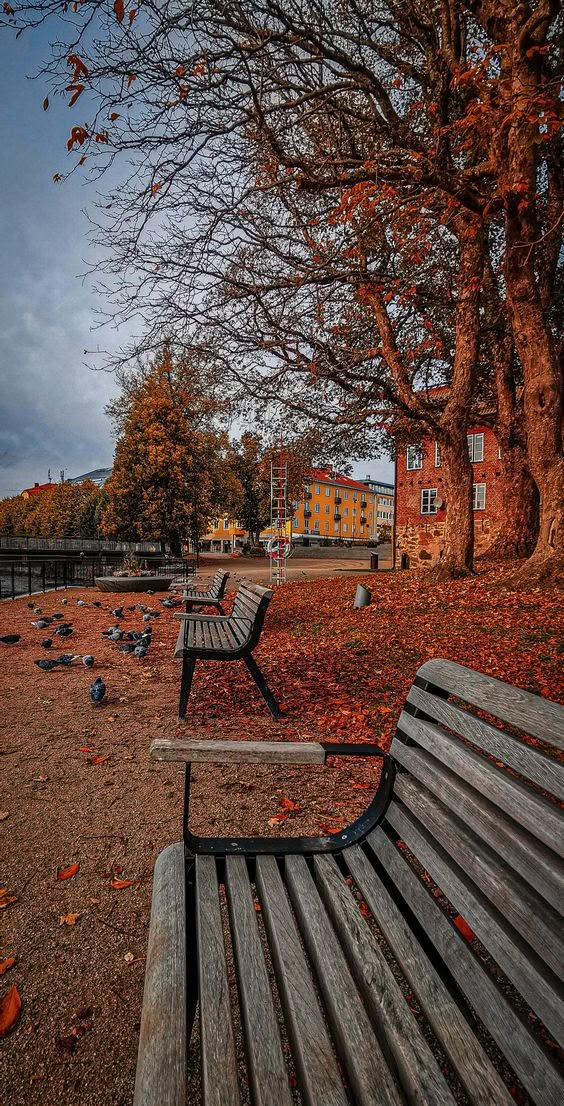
229 638
462 806
209 597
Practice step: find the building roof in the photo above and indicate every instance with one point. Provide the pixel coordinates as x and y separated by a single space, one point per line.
98 476
328 476
38 488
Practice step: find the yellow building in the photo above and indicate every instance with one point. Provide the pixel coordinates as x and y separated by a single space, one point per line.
333 508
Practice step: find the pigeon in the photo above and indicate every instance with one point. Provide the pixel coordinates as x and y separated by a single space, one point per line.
133 635
47 618
96 603
141 607
131 608
97 690
118 613
47 642
88 661
67 658
31 606
36 610
150 591
146 618
57 614
128 648
155 614
140 651
10 639
64 631
81 603
116 636
40 624
64 602
111 630
46 665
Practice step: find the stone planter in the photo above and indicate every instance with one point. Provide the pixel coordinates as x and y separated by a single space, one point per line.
133 583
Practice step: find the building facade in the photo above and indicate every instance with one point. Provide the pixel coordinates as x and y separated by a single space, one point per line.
420 507
333 509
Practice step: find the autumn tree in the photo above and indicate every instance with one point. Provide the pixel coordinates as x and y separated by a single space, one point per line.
447 111
170 474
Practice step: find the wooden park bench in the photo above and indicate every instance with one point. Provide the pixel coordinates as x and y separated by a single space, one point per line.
391 1000
230 637
210 597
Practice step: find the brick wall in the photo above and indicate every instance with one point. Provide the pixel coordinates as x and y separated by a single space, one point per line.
421 536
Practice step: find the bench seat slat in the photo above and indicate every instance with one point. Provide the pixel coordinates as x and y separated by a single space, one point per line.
527 972
542 869
219 1062
535 765
266 1065
526 1055
356 1042
541 817
319 1080
503 887
530 713
475 1071
418 1071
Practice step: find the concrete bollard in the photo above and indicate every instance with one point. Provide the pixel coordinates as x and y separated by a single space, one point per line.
363 596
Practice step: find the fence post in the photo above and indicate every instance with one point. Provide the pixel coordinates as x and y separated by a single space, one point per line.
29 577
13 580
64 574
43 575
55 575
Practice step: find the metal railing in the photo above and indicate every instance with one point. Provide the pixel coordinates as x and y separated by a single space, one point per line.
19 577
79 545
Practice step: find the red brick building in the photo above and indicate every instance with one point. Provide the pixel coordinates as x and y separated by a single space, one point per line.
421 496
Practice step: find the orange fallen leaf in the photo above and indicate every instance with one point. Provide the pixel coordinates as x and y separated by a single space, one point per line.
69 919
84 749
10 1009
463 927
330 827
6 964
277 818
119 884
98 759
287 804
6 899
68 872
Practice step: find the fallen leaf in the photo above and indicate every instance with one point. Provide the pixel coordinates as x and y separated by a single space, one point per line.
129 958
4 814
287 804
10 1009
84 749
6 899
119 884
68 1043
463 927
68 872
330 827
69 919
277 819
99 759
6 964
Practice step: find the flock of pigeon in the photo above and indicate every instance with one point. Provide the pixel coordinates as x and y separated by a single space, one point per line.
136 642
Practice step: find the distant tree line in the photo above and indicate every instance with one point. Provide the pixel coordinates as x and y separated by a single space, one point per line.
65 511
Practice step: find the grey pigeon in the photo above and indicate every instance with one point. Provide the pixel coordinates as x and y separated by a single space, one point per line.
40 624
96 603
128 648
64 602
133 635
10 639
150 591
146 618
57 614
46 665
81 603
47 642
31 606
88 661
116 636
141 606
118 613
36 610
131 608
64 631
140 651
97 690
67 658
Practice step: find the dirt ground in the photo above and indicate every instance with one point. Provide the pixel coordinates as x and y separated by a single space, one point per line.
339 674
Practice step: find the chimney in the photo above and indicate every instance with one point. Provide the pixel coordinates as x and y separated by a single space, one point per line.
36 485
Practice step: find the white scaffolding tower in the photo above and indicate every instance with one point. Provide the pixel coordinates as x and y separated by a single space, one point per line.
279 542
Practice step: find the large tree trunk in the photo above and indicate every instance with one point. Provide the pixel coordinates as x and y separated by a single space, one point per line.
457 559
529 321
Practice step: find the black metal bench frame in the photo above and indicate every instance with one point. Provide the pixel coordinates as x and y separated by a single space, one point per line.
490 844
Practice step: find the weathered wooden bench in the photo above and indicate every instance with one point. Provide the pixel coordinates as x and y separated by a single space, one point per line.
391 1000
229 637
210 597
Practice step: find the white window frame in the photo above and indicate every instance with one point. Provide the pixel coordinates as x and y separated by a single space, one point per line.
345 528
475 445
437 455
431 494
476 506
317 489
327 508
327 490
316 508
345 494
414 457
316 524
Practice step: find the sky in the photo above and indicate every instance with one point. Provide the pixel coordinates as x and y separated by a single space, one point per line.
51 403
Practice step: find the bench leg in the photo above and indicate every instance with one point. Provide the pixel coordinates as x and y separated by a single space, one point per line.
263 686
188 666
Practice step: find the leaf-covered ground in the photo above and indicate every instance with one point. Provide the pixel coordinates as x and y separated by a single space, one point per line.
84 813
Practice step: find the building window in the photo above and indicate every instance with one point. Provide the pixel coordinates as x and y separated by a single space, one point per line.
317 489
437 455
327 527
345 510
479 497
345 527
295 523
428 501
307 487
355 496
316 524
226 524
414 457
306 524
327 508
296 504
327 490
216 523
345 494
336 528
317 508
475 446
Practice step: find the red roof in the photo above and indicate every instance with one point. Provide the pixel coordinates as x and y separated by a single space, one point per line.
38 488
335 478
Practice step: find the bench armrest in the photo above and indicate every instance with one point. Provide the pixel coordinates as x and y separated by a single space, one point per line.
264 752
